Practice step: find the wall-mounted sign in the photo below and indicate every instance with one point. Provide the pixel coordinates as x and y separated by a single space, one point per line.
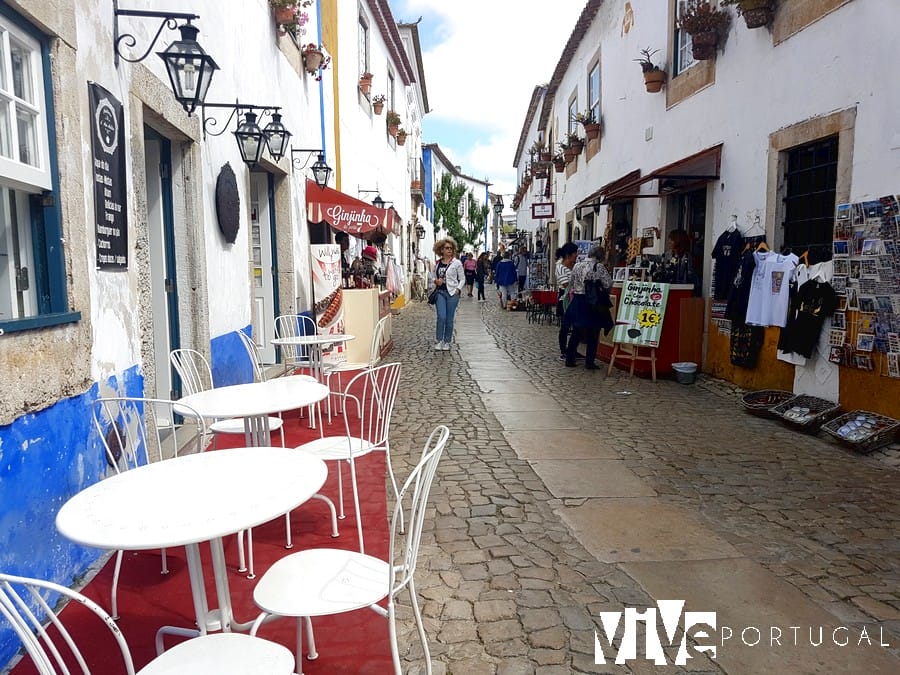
228 204
108 164
543 210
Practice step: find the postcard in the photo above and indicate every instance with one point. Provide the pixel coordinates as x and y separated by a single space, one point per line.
866 323
837 337
866 303
865 342
893 365
862 361
841 266
836 355
841 247
839 284
852 299
839 320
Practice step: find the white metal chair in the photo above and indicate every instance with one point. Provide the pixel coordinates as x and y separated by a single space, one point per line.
255 358
294 325
367 402
196 376
374 357
31 608
138 431
318 582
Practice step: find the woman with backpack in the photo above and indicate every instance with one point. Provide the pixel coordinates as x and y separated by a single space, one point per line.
585 318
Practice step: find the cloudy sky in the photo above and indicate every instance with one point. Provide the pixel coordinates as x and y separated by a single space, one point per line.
483 59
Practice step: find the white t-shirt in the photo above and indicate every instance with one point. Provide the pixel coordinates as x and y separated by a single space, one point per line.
769 288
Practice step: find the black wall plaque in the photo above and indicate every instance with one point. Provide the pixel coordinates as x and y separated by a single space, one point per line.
228 204
108 171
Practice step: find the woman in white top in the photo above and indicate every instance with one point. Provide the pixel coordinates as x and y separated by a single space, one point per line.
449 278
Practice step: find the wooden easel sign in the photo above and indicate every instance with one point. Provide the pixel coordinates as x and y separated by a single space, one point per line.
639 322
642 308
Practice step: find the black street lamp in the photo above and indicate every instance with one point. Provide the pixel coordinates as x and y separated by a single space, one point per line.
277 137
190 69
250 139
321 171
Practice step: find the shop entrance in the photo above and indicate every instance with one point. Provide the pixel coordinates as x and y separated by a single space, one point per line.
262 252
690 215
161 236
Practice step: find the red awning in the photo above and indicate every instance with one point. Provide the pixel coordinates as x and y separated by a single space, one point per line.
346 213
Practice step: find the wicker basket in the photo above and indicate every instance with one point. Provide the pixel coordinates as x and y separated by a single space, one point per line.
761 402
863 431
806 413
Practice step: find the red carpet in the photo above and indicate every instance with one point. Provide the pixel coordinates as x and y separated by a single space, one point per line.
355 642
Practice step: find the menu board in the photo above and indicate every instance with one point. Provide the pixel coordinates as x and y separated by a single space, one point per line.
642 308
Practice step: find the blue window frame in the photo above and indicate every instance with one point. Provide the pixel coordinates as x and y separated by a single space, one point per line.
32 266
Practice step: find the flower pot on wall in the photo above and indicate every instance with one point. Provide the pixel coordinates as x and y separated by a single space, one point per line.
393 129
378 107
654 80
401 137
577 146
365 84
312 59
285 15
757 17
703 44
591 131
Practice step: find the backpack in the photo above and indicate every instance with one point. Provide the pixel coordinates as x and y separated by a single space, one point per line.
595 295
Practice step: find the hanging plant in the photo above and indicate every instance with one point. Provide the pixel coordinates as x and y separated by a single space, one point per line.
378 104
365 82
401 137
289 16
315 59
654 76
393 123
590 124
705 24
756 13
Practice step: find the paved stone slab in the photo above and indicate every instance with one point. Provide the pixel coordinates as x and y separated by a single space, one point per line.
617 530
744 595
590 478
518 402
539 419
538 444
498 386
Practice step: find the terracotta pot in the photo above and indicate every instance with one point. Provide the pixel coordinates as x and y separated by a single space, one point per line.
415 185
569 154
312 59
546 157
365 86
577 147
591 131
654 80
703 45
378 107
285 14
393 129
559 167
401 139
758 17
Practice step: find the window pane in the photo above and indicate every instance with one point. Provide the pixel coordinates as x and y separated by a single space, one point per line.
594 91
26 123
5 131
23 86
3 63
685 55
17 287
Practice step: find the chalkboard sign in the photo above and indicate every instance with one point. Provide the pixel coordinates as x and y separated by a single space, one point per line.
228 204
108 176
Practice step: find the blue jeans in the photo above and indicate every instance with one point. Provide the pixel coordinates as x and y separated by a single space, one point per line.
446 311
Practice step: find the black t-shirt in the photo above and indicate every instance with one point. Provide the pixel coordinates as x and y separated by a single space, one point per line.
727 254
813 302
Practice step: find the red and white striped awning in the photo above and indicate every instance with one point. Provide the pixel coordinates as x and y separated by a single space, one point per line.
346 213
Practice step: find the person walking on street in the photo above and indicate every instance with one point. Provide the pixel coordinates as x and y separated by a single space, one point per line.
566 255
482 270
495 262
586 321
506 279
448 281
521 262
470 266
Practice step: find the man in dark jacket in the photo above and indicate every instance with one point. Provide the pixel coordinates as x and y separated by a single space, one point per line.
506 279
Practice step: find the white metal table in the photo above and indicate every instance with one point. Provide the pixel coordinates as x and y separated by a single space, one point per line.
317 344
188 500
255 401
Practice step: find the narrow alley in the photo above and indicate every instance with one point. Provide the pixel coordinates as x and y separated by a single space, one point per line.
565 493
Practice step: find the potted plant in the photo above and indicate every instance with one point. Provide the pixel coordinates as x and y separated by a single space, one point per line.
654 76
285 11
576 143
378 104
590 124
365 82
401 136
756 13
704 23
315 60
393 122
559 162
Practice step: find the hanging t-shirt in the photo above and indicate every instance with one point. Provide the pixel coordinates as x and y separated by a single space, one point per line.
769 288
739 293
727 254
814 302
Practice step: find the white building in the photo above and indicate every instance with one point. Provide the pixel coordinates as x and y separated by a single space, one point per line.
784 122
190 244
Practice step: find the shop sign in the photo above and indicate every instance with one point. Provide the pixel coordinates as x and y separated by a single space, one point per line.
108 172
542 210
642 308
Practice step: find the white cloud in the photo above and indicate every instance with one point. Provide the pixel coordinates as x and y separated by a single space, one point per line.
482 62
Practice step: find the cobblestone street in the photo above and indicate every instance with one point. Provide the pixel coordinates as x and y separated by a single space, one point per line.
565 493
